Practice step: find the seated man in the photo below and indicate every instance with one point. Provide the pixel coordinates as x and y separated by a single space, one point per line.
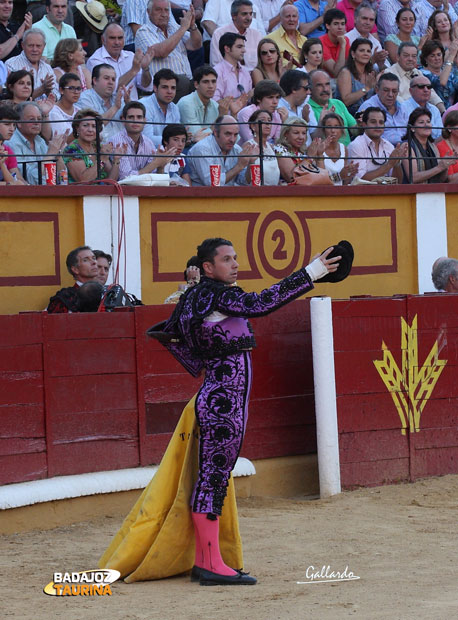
29 146
386 93
159 106
139 150
103 98
218 13
169 42
420 95
30 59
103 266
406 69
336 45
266 96
234 79
320 101
348 7
242 17
82 266
9 172
445 275
220 148
54 27
198 109
375 155
296 89
287 36
132 70
364 26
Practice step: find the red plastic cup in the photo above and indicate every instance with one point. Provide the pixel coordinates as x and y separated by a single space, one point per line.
215 175
255 174
51 173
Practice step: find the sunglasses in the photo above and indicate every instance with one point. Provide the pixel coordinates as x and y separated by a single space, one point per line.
76 89
423 86
265 52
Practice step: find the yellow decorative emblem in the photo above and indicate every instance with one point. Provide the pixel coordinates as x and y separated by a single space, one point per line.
412 387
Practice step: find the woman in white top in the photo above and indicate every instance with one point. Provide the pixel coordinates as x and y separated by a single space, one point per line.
269 160
335 155
65 109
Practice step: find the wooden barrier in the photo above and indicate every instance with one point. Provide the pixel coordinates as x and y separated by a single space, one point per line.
82 393
397 389
90 392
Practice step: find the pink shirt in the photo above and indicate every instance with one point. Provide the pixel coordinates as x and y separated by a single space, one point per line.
245 131
252 39
227 82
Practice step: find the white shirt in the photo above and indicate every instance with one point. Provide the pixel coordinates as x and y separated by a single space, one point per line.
219 12
57 114
363 146
121 66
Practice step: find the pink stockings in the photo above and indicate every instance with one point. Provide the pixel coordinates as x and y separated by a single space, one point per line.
208 555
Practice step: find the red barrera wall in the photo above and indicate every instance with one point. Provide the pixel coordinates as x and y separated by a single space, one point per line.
82 393
373 449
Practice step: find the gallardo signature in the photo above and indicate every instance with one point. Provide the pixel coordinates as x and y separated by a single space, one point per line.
326 575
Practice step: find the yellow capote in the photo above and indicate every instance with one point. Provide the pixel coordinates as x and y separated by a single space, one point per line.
156 539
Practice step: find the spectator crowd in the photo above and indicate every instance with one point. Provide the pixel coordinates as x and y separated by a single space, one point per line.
309 92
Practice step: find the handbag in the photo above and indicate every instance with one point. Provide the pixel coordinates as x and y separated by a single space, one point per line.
308 173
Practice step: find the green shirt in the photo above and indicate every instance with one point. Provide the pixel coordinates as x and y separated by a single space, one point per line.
341 110
53 36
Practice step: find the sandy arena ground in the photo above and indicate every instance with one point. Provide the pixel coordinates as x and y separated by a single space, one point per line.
400 540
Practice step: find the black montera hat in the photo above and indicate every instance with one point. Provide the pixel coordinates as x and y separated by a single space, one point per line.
345 250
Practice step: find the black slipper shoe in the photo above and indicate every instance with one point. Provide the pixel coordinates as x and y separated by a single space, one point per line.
207 578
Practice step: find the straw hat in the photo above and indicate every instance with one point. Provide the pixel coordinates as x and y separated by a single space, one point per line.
94 13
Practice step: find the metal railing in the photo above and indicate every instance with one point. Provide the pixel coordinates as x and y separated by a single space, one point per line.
261 154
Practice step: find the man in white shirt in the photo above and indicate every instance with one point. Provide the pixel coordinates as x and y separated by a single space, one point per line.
169 42
242 17
33 45
364 23
218 13
406 69
138 149
376 156
131 69
295 85
53 26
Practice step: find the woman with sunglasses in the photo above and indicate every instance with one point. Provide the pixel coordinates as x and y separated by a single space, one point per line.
356 81
438 66
405 21
64 110
427 165
270 66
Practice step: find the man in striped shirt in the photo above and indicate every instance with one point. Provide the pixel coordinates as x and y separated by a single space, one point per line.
169 42
139 151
